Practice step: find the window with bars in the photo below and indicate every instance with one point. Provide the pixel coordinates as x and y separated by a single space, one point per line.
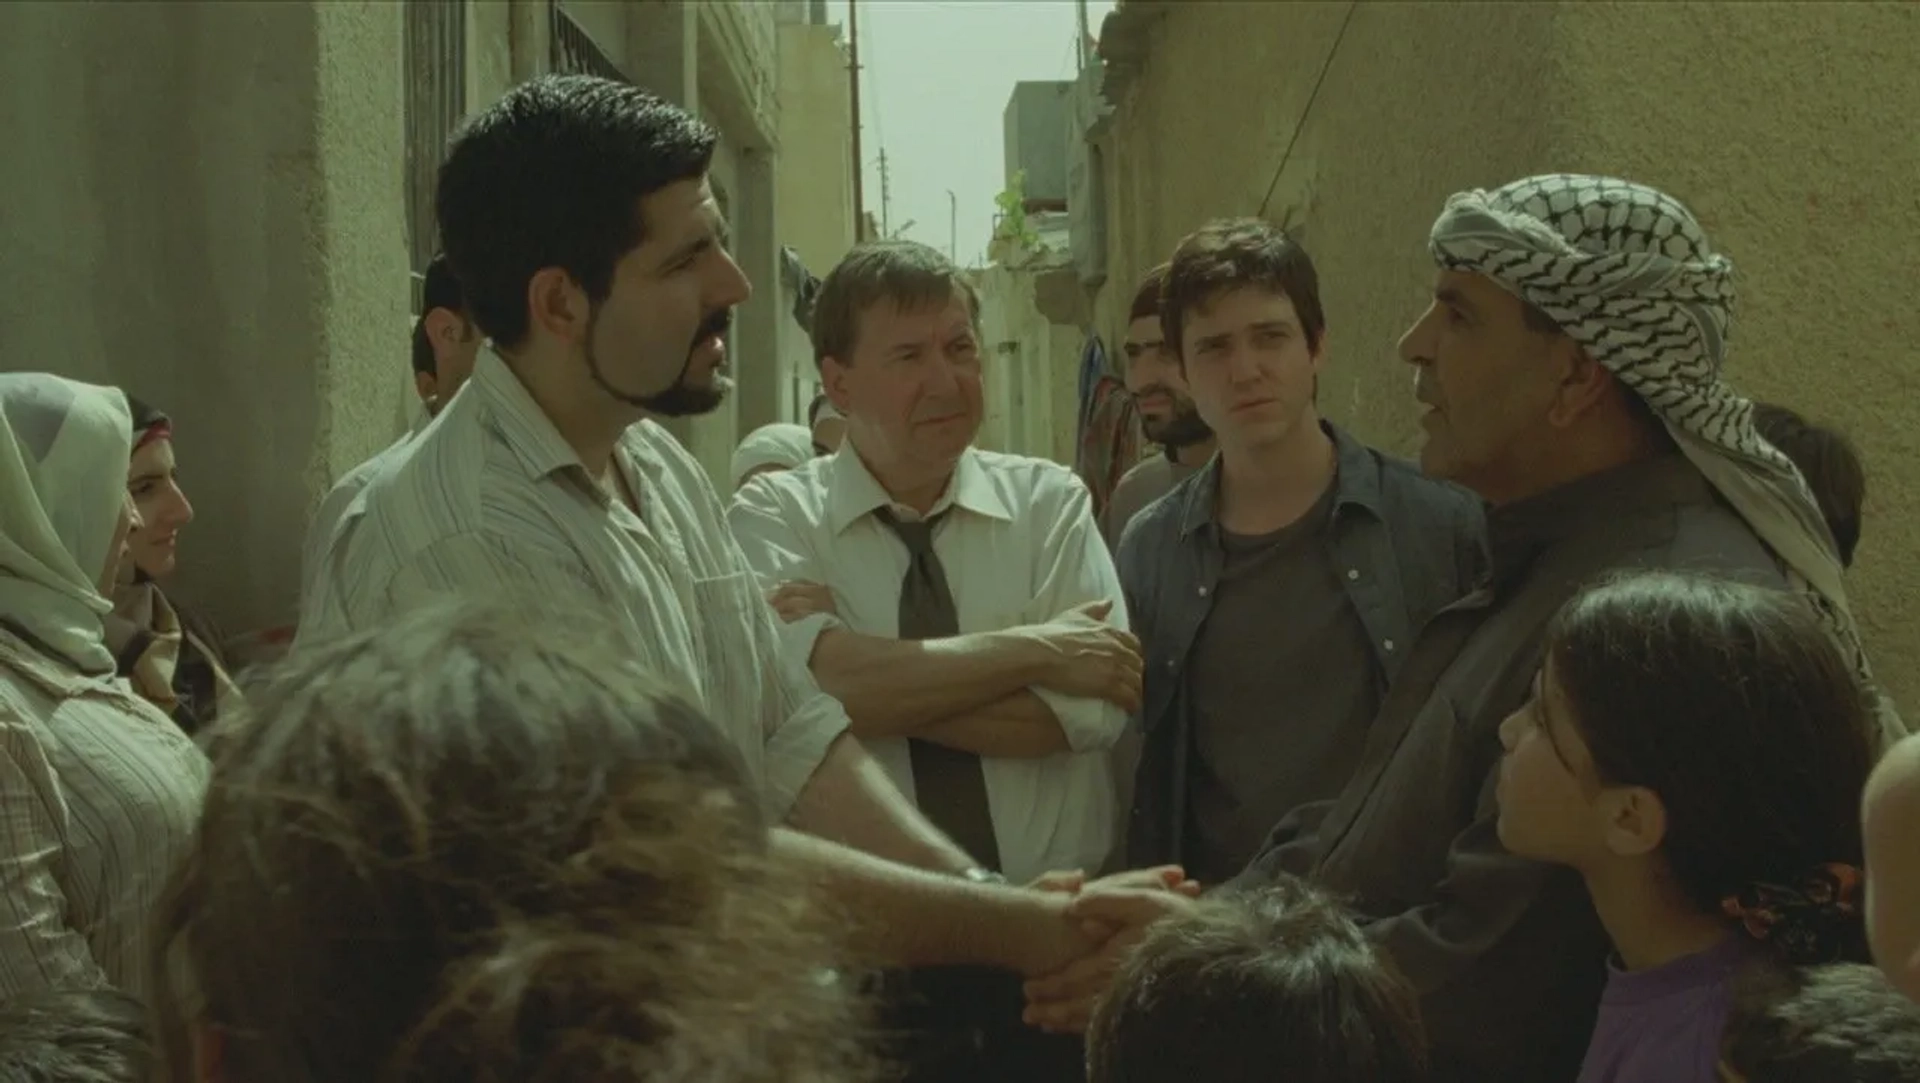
574 53
436 60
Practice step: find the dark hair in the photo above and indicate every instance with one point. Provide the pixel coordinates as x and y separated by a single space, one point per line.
552 176
1252 986
1146 298
906 273
1822 1024
813 408
1232 253
438 289
1829 462
144 415
74 1037
483 845
1736 706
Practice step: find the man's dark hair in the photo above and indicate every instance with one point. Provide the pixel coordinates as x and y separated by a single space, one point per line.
1146 298
906 273
1829 462
1254 986
439 289
1232 253
1822 1024
552 176
74 1037
813 409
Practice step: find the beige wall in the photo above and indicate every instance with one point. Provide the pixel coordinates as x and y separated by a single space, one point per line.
1030 370
214 224
1788 128
816 146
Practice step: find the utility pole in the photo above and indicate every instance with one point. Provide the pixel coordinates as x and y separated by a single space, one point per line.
853 94
886 197
1086 32
953 227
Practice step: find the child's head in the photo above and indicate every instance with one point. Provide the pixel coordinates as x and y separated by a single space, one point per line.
1823 1024
483 845
1253 986
1893 865
92 1037
1711 733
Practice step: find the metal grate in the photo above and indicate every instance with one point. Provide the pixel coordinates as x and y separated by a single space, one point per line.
436 59
574 53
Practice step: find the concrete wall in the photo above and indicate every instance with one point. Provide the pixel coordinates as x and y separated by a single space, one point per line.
204 207
1030 369
1031 124
815 195
816 146
1787 127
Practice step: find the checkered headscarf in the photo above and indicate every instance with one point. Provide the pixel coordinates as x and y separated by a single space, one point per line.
1627 272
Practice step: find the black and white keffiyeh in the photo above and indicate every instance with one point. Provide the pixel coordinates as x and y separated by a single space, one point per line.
1627 272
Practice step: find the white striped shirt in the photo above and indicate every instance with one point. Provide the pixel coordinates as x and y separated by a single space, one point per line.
99 795
491 501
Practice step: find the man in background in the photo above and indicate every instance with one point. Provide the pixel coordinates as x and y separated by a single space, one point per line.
1168 417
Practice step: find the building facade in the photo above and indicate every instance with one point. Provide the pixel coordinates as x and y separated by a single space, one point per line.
224 205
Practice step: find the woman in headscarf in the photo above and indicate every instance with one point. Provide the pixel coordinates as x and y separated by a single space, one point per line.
172 660
99 791
779 446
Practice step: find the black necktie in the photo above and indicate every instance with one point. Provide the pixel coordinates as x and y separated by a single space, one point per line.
949 785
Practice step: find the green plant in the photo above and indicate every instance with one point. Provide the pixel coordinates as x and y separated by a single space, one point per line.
1013 225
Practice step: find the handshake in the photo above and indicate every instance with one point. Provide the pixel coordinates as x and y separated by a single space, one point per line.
1103 920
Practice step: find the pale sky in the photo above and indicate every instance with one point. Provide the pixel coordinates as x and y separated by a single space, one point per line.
936 78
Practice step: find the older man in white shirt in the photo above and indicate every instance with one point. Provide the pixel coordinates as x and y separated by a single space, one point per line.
960 603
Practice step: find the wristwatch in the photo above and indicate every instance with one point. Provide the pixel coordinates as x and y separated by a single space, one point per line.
982 875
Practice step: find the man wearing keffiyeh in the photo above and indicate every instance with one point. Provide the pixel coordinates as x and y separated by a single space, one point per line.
1569 364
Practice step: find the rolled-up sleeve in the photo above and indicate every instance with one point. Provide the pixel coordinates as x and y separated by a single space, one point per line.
802 722
1076 569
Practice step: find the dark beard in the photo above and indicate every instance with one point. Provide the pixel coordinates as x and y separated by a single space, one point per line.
1183 429
680 399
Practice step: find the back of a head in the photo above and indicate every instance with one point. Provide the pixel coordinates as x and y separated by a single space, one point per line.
1830 464
1825 1024
1257 986
552 175
1735 705
439 289
483 845
90 1037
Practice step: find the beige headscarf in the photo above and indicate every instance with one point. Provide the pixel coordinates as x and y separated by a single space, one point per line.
1628 273
63 484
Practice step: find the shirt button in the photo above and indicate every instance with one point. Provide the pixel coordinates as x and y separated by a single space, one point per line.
1353 573
1388 644
1171 664
1203 592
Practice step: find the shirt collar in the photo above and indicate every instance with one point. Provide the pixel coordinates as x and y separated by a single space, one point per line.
1356 481
531 435
853 491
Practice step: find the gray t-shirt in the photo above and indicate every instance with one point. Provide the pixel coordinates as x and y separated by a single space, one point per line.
1284 681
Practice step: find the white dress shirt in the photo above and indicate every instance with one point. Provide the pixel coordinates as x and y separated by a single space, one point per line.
491 502
1020 547
333 510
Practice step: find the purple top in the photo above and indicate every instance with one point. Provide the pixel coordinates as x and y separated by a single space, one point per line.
1664 1025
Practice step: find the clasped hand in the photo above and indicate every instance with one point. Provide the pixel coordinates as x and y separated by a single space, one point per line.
1112 914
